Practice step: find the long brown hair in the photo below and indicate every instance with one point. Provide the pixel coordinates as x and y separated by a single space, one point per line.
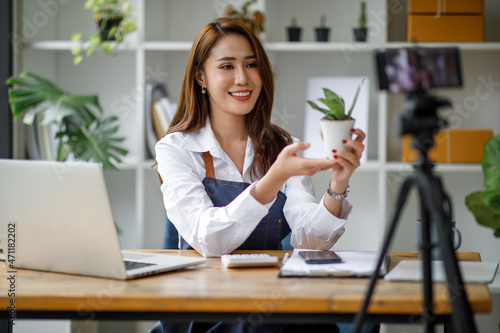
193 109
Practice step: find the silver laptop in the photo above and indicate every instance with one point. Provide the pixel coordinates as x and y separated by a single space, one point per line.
56 216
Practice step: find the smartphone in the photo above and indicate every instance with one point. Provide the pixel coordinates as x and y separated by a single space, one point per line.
320 257
408 69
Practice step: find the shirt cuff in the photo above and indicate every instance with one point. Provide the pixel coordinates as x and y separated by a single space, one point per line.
345 208
336 226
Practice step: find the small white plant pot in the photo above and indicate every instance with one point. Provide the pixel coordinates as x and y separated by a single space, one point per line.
334 132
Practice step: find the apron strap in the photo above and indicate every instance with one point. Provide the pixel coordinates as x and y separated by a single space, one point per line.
209 164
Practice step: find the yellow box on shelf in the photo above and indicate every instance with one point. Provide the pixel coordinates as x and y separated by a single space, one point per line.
445 21
451 146
449 6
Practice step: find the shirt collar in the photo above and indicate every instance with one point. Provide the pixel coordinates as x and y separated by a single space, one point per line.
204 140
201 140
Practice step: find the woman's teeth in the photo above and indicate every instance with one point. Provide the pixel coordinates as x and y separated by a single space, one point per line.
240 94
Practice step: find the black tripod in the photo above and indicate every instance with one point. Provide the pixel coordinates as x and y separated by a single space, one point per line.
421 120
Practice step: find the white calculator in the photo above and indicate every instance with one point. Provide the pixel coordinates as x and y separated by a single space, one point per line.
249 260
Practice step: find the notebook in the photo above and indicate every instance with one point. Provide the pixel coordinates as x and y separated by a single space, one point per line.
56 216
353 263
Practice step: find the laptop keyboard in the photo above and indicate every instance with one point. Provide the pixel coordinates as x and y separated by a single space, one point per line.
135 264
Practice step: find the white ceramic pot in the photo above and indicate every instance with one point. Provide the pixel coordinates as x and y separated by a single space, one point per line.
334 132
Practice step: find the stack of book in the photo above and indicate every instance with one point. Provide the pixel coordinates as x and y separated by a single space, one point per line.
159 114
41 142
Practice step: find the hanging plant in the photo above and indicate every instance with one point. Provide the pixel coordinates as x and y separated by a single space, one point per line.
253 20
114 21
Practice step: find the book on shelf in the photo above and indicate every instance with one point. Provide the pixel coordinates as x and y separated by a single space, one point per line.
41 142
32 151
162 114
47 141
156 114
159 113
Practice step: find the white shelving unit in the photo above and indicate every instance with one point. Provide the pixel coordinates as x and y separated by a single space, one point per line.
158 51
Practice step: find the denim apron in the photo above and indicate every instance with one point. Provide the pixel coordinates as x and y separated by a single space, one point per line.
266 236
271 229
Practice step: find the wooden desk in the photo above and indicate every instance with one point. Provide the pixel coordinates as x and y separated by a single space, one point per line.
212 292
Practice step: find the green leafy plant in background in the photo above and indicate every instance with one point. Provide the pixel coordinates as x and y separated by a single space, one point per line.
83 130
485 205
335 104
114 21
253 20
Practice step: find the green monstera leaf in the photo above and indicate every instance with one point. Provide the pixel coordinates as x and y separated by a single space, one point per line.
485 206
84 131
483 214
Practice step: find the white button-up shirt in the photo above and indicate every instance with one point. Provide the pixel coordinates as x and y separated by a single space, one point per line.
214 231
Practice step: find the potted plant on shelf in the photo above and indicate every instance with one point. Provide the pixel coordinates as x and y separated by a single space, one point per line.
337 124
294 31
361 32
485 205
322 31
83 131
254 20
114 21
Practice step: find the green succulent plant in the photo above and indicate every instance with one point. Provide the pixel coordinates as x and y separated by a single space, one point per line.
82 129
335 104
322 21
362 16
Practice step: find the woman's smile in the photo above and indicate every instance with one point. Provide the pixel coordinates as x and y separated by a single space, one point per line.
241 95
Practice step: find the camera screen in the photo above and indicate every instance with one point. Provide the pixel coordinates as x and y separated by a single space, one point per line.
408 70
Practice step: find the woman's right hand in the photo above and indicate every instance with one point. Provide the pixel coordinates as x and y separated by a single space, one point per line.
289 164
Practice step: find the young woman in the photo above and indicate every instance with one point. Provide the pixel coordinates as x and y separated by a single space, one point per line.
231 179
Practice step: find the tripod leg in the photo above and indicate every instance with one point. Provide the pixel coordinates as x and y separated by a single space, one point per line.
403 194
461 318
425 251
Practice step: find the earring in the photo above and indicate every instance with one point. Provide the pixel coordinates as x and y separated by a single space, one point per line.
203 91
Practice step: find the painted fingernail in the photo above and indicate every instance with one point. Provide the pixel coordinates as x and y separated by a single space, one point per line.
344 141
334 150
353 130
334 156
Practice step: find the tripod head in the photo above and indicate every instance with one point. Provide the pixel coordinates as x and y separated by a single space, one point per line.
421 120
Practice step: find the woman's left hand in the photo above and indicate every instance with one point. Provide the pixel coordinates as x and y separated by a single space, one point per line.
348 161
